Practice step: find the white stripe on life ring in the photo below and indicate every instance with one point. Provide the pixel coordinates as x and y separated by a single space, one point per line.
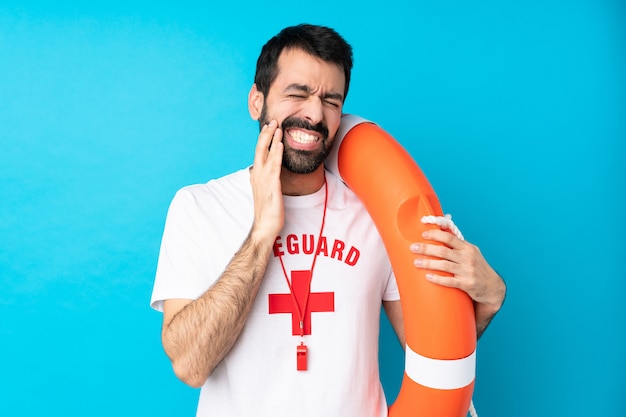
440 373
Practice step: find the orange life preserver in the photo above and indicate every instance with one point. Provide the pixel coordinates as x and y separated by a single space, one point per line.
439 322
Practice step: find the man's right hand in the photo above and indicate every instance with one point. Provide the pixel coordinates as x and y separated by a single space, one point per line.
198 334
269 214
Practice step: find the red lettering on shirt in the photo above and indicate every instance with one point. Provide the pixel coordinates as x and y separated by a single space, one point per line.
353 256
292 244
337 252
296 244
322 246
277 247
310 247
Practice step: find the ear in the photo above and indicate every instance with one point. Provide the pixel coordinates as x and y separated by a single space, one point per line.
255 102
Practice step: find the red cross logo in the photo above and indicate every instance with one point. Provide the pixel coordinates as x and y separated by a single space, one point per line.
318 301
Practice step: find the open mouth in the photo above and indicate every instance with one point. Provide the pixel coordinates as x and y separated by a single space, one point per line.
302 138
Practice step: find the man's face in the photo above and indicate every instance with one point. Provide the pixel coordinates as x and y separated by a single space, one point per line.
306 99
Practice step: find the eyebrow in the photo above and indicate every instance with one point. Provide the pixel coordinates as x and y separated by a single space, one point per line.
306 89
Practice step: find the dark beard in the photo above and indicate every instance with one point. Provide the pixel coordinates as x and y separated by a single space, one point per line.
300 161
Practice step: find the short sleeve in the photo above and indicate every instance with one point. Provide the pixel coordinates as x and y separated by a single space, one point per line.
181 270
391 290
204 227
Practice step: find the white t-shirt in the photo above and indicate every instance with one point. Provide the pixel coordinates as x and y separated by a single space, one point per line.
206 224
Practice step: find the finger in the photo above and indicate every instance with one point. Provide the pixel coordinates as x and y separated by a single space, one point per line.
434 250
263 143
468 285
275 154
444 237
451 282
439 265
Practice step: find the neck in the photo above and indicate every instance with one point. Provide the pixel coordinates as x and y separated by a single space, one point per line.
302 184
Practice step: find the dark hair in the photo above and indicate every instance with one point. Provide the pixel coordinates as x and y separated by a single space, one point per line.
319 41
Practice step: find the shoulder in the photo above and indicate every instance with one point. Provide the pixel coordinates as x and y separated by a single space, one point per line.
222 194
231 185
342 197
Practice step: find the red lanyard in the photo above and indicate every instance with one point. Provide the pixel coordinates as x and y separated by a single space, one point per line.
301 311
301 352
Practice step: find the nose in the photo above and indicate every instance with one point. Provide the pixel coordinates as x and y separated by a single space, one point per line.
313 110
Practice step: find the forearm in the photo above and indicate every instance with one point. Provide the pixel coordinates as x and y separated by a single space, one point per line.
485 312
483 318
200 335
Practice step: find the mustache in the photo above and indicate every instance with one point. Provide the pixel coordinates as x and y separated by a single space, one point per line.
292 122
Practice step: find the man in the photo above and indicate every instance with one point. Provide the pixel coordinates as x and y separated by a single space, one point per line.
270 279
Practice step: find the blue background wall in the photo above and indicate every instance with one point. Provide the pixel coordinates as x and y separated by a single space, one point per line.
515 110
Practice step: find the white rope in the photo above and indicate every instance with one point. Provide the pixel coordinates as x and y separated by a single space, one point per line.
445 222
472 410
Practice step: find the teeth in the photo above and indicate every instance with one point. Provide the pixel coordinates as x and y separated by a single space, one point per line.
301 137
